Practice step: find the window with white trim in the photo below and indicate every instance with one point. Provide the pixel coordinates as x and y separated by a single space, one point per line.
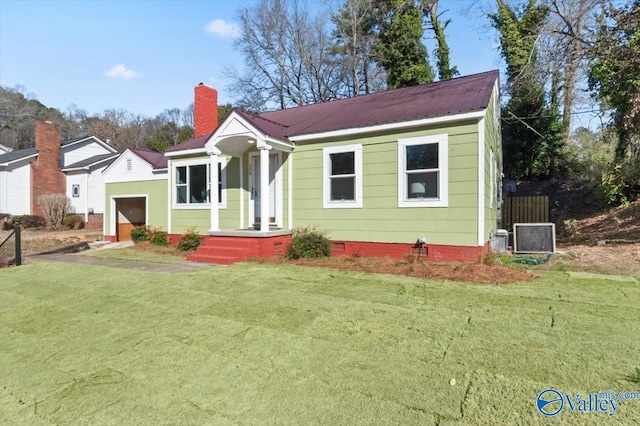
193 184
492 178
423 171
75 190
342 176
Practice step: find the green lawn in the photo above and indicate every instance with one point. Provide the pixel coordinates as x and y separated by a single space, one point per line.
275 344
131 254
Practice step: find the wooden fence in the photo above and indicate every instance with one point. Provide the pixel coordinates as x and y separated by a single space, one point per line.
524 210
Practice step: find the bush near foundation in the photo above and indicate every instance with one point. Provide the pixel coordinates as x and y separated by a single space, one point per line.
189 240
139 234
73 222
308 242
158 237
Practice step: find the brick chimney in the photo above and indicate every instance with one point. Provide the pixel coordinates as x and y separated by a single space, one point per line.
46 177
205 110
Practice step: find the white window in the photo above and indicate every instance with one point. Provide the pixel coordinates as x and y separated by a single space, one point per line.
492 177
342 176
192 184
423 171
75 190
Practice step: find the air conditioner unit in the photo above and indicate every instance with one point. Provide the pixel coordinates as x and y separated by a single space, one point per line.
534 238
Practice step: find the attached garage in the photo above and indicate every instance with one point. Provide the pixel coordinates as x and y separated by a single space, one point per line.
130 213
135 181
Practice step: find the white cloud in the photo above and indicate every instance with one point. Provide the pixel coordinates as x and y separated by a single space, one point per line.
222 28
120 71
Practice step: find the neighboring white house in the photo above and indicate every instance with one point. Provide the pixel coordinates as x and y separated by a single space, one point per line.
4 149
15 181
73 167
83 160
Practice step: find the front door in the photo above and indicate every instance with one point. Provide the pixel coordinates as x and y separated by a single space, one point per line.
255 188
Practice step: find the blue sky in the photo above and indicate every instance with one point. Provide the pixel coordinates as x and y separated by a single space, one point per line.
146 56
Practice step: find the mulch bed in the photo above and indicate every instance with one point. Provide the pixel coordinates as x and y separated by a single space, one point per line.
478 273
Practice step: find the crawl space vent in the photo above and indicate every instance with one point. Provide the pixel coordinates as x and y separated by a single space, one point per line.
534 238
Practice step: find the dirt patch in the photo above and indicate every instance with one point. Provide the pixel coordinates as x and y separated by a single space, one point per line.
36 241
468 272
613 258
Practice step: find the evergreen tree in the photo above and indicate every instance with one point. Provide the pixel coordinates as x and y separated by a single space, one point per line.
400 50
531 131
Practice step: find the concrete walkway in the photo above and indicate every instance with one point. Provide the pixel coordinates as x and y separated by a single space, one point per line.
165 268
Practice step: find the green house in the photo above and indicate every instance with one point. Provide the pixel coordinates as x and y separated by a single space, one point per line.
411 170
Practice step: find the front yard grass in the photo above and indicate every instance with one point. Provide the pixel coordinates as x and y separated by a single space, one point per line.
167 255
282 344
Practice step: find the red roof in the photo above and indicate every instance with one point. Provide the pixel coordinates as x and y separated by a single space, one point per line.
450 97
156 159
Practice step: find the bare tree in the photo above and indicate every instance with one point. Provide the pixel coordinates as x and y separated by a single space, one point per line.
355 42
287 57
55 208
563 48
19 111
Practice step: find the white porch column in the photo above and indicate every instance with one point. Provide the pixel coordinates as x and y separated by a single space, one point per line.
213 192
264 188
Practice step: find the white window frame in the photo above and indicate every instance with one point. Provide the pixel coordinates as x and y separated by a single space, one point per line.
326 177
492 177
443 171
75 190
199 162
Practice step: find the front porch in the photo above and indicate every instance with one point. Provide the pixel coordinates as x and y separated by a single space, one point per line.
227 247
263 162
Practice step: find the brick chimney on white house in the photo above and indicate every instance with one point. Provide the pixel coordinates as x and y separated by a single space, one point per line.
46 177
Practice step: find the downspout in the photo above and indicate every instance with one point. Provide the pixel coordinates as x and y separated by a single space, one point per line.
86 198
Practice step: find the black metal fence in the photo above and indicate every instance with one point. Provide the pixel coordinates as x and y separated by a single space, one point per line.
11 249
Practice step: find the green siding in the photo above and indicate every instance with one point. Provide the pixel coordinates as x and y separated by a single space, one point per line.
156 192
181 219
380 219
200 218
492 141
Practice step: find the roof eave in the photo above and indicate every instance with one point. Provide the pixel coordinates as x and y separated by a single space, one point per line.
8 163
472 115
186 152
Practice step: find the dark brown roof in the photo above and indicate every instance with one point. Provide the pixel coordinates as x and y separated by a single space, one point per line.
450 97
195 143
156 159
455 96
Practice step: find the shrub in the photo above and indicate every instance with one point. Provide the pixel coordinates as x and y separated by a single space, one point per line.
73 222
308 242
33 221
55 208
158 237
139 234
8 224
190 240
